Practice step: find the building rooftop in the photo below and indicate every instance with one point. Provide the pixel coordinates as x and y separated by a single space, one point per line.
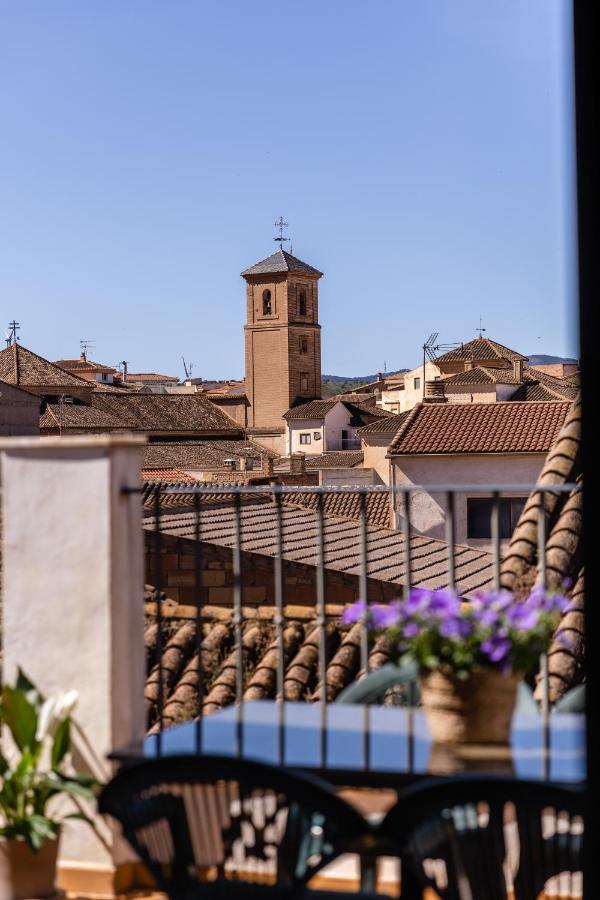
201 454
335 459
57 416
429 556
528 427
182 413
312 409
281 261
385 425
480 349
21 366
483 375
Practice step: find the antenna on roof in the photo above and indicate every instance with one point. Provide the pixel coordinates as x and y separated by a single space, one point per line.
84 346
281 225
430 348
11 334
187 368
481 329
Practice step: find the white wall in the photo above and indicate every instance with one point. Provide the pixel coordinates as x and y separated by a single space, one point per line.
412 395
337 420
375 451
296 427
72 588
348 476
428 510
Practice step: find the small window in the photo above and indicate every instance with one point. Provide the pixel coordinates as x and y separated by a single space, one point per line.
267 304
479 516
303 383
302 303
416 383
303 345
305 438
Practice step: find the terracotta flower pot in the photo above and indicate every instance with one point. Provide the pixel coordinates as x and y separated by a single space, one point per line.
25 874
477 711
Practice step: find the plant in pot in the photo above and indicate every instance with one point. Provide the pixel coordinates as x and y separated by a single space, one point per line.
470 654
34 775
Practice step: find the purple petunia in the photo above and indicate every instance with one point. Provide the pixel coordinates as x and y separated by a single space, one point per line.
496 647
355 612
522 617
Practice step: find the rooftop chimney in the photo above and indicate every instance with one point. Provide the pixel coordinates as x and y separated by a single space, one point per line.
435 392
298 463
518 369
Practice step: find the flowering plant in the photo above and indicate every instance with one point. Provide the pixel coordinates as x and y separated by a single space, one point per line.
492 630
34 772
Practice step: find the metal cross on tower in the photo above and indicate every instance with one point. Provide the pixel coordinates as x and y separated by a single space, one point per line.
281 225
11 336
481 329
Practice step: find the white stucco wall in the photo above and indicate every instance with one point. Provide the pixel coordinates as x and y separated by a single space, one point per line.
411 395
428 510
348 476
336 421
72 588
374 457
296 427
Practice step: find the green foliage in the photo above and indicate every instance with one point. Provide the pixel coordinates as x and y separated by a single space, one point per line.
35 774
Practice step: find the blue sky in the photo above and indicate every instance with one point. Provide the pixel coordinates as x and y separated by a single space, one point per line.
422 152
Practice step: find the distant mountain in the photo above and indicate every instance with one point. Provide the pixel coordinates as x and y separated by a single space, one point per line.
340 384
542 359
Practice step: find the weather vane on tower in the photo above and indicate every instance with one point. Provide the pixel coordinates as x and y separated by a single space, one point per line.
481 329
281 225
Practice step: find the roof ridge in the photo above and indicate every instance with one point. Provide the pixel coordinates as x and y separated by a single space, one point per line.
404 427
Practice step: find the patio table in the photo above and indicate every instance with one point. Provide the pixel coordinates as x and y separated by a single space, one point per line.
375 746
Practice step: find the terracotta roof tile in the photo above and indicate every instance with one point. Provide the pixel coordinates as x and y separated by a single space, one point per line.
313 409
387 425
166 412
335 459
480 428
201 454
281 261
21 366
75 416
345 505
483 375
480 349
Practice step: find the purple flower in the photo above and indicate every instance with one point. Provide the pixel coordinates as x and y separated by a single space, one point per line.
522 617
496 647
385 616
455 627
564 639
445 603
418 601
354 612
410 630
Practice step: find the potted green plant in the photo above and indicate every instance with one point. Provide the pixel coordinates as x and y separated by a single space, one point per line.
470 654
34 773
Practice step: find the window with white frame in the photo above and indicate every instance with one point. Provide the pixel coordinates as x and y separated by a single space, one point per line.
304 437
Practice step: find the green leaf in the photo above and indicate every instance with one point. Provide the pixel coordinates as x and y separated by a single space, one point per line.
28 688
20 716
3 764
61 743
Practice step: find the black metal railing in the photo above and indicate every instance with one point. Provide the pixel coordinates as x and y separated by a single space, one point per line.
209 515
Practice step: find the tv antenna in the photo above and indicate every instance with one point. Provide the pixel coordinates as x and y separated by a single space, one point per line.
481 329
85 345
11 334
281 225
430 349
187 368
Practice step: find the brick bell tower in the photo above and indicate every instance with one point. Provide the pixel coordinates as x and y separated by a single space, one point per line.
283 342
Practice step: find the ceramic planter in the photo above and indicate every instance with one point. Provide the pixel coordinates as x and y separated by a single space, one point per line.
476 711
25 874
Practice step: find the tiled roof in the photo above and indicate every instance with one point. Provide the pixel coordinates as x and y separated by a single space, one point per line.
345 505
281 261
480 349
385 547
151 376
21 366
87 365
541 386
564 520
363 413
201 454
166 412
79 416
387 425
167 476
480 428
180 664
335 459
313 409
483 375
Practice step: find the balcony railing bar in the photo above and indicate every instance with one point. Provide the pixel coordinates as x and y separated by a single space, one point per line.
238 623
322 626
358 489
321 622
495 532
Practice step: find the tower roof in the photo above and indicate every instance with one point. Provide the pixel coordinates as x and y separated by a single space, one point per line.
281 261
21 366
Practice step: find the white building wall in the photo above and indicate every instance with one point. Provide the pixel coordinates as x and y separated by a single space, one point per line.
428 510
336 421
400 401
375 457
312 427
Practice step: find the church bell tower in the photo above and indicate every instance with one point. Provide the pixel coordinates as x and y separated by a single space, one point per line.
283 342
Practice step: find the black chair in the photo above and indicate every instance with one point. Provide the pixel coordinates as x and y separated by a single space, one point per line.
211 826
475 838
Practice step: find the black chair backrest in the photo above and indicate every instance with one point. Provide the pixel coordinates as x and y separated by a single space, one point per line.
486 838
199 822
